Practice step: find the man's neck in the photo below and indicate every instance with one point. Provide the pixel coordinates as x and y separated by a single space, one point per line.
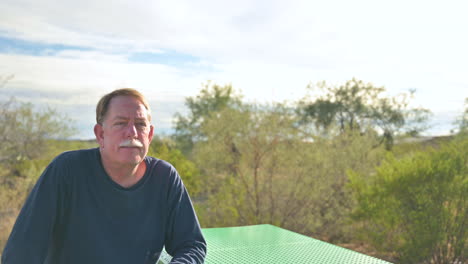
125 176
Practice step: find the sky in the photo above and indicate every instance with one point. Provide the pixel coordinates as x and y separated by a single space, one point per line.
67 54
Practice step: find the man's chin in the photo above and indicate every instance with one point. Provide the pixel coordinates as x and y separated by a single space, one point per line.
126 158
134 161
131 160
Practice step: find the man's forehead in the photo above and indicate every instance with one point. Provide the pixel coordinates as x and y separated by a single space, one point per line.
125 107
138 117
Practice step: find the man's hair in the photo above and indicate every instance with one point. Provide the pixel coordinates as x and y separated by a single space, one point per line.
103 104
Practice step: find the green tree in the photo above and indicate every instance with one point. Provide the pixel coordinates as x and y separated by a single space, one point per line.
25 131
359 106
417 206
165 149
244 171
211 99
258 166
462 120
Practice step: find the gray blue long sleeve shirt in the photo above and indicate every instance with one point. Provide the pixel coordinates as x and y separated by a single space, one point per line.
77 214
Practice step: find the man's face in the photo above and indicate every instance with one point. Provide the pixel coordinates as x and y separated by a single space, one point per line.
126 132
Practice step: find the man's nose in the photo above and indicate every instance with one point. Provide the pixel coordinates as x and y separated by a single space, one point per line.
131 130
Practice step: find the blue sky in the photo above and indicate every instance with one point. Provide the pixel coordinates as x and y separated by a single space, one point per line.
11 45
66 54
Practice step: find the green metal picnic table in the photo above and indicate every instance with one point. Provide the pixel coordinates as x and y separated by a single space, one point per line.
270 244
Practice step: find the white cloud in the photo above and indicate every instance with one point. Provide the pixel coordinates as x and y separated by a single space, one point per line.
74 85
92 73
269 49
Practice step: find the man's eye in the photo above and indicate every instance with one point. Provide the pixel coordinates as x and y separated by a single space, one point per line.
119 124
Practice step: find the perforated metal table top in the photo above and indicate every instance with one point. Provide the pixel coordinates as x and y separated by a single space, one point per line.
269 244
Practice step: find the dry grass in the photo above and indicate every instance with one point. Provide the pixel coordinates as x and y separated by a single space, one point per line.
6 224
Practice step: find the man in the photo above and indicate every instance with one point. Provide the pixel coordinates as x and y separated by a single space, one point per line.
112 204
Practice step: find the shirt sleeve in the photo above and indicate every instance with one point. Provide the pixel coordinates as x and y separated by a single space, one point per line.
184 239
33 230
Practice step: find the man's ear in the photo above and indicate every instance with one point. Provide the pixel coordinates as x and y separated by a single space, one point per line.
150 135
99 133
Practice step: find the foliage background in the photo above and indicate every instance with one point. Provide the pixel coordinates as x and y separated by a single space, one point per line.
346 167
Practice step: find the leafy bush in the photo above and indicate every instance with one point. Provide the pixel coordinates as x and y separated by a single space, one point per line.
165 149
417 206
258 166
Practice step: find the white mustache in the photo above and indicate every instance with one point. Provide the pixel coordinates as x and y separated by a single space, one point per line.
131 143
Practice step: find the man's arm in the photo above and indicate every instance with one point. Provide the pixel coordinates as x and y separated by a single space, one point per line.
184 239
32 233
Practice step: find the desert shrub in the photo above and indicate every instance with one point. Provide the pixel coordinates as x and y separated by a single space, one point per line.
417 206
